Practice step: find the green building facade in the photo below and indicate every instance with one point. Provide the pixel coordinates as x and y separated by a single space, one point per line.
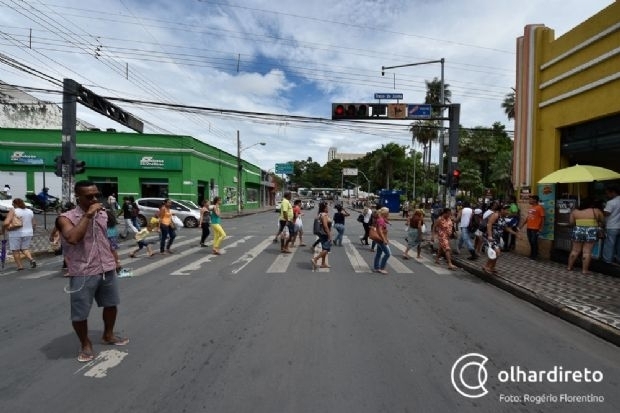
138 165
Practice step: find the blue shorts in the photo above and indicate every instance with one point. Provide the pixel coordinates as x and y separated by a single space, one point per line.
584 234
103 288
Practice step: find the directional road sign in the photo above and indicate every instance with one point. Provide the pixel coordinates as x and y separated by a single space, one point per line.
418 111
284 168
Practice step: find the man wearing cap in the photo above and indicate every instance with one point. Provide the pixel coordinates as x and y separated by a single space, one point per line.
464 217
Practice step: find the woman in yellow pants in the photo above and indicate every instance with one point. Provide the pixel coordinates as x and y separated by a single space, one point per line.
218 231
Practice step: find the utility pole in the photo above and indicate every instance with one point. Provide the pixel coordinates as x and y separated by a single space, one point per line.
238 174
69 131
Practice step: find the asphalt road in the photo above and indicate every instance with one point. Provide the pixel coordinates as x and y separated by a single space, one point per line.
257 331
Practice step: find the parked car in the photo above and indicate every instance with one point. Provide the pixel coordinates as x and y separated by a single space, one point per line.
187 211
6 203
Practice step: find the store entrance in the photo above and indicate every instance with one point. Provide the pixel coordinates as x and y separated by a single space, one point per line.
106 186
154 188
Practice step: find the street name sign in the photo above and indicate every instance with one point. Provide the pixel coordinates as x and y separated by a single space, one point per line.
397 96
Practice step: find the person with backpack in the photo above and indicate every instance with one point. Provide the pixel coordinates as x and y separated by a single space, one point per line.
414 234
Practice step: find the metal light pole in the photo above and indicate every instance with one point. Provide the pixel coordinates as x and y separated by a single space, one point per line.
442 98
240 168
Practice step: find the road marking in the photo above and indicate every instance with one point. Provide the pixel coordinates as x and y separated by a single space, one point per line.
358 263
395 262
39 274
246 258
195 265
105 360
169 259
281 263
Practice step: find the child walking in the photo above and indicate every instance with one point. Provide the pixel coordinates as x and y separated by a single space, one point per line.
142 236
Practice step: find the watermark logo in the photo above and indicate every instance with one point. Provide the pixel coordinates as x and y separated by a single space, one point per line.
469 376
459 370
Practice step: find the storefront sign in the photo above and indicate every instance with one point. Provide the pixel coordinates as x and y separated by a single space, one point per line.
148 162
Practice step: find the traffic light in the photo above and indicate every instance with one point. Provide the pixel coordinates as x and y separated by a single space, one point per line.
456 174
349 111
443 179
58 166
77 167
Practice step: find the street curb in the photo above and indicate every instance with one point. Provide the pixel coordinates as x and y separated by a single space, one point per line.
551 306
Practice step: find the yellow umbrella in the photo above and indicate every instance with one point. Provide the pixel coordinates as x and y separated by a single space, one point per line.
580 173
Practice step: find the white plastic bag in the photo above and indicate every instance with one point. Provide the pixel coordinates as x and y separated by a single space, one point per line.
177 221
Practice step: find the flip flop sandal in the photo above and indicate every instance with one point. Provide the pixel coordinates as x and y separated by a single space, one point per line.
117 341
85 356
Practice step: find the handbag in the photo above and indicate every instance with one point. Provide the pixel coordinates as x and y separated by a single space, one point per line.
360 218
16 223
373 234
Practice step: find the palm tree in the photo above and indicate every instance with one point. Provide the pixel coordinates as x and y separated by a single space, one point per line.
509 104
425 132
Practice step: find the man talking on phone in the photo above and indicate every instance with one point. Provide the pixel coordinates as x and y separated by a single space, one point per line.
91 266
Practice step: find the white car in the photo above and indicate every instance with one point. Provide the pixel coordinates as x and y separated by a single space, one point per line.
6 203
278 206
187 211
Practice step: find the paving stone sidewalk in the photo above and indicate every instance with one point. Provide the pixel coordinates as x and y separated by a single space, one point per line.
589 301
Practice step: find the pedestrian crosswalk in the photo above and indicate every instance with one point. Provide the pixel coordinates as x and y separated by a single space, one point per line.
242 251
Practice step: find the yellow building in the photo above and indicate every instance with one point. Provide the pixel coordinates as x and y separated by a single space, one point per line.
567 107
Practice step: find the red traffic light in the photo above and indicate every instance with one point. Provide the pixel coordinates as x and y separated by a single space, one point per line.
338 111
350 111
456 173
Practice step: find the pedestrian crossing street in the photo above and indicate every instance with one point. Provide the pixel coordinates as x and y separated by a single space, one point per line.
245 250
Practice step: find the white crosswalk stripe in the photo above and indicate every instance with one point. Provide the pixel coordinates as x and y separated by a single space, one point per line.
356 259
247 258
195 265
394 261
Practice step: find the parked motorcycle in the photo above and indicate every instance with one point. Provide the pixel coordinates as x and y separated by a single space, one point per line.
38 206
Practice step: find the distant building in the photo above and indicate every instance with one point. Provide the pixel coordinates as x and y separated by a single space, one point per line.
333 153
18 109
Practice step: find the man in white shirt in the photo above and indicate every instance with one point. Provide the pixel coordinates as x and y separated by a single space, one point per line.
463 218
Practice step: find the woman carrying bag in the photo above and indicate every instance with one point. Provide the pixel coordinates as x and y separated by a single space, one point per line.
20 225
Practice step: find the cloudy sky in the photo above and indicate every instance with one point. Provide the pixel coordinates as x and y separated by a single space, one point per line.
233 61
